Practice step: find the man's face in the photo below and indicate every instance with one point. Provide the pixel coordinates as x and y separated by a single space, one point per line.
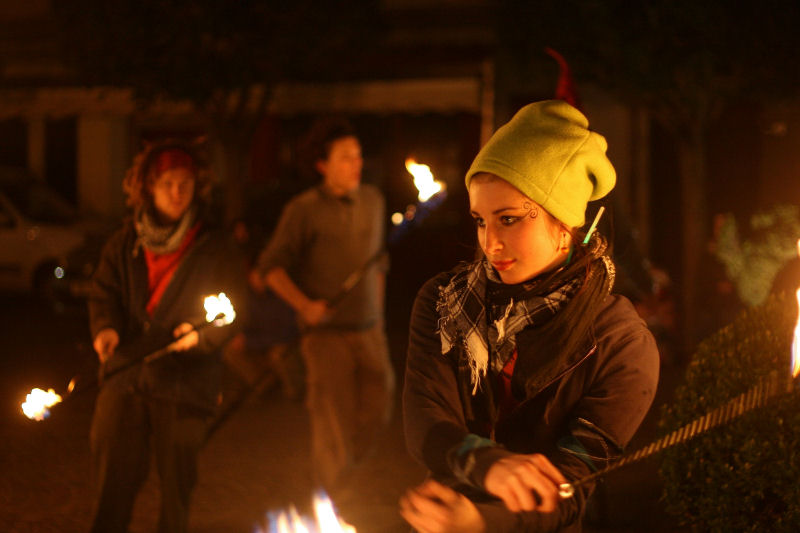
341 172
173 192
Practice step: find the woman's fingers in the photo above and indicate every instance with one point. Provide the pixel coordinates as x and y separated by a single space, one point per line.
435 508
422 513
516 495
525 482
544 464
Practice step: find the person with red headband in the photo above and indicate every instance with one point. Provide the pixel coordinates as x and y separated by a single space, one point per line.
147 291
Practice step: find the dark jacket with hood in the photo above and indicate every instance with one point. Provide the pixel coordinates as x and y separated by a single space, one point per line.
579 411
118 299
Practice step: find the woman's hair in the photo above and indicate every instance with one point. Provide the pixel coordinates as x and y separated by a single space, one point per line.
143 173
568 329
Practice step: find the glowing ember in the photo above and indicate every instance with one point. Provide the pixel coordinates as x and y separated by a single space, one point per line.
423 180
216 306
37 404
291 522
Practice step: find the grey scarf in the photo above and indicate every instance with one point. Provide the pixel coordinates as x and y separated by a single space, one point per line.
160 238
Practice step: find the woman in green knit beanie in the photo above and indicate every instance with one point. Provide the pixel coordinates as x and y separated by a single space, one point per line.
524 371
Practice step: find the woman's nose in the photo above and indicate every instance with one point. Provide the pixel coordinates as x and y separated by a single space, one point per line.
491 240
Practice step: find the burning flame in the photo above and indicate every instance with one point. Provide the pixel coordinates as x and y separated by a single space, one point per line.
219 305
423 180
796 339
326 516
796 342
37 403
326 519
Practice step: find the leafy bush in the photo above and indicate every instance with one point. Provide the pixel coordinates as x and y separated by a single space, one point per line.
744 475
752 261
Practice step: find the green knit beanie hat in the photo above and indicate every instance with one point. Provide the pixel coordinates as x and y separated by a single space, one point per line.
547 152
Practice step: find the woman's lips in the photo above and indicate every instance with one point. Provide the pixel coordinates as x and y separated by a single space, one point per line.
502 265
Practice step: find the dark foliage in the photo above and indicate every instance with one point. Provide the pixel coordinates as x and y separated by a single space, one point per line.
742 476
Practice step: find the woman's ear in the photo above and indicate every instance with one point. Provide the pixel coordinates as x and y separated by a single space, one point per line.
566 240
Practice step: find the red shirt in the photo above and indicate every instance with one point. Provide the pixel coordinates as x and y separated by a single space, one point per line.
504 396
161 267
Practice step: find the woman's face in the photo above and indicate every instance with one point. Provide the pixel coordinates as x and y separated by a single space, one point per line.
172 193
520 240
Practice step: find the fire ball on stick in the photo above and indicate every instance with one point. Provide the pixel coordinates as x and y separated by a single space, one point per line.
219 312
431 194
38 402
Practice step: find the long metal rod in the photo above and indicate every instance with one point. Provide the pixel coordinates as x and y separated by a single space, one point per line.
76 387
423 210
767 387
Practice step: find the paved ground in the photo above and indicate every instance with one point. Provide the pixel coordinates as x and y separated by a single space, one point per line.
257 462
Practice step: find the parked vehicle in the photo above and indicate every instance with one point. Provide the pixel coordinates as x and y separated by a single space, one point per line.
45 245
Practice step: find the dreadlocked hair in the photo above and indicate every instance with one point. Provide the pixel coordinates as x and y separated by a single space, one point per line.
142 173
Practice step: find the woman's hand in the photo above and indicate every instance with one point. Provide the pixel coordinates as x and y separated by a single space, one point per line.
434 508
105 343
525 482
187 338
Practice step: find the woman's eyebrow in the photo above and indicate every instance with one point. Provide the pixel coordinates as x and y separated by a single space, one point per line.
502 209
498 211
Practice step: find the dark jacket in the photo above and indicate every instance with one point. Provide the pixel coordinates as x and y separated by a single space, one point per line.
118 299
579 411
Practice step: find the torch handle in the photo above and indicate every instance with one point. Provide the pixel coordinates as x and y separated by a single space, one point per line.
154 355
423 210
766 388
356 276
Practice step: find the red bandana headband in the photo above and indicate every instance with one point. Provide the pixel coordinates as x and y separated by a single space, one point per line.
173 158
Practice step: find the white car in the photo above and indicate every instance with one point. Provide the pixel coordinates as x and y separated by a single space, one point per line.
40 235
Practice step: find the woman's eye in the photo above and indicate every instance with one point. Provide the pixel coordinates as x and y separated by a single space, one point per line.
508 220
479 222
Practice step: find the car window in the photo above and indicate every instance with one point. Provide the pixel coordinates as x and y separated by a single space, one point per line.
37 202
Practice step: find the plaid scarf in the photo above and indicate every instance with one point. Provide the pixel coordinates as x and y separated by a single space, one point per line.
463 315
487 327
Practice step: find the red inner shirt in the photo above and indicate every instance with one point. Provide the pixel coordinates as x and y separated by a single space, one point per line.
506 402
161 267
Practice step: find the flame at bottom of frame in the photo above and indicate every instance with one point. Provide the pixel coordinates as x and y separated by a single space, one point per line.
290 521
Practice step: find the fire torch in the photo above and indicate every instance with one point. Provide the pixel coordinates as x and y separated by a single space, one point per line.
431 194
219 312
